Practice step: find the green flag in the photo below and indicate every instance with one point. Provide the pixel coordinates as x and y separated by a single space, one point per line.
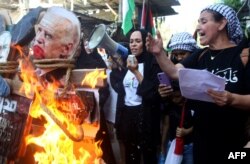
128 7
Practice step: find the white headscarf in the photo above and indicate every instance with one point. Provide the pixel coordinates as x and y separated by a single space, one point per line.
183 41
233 24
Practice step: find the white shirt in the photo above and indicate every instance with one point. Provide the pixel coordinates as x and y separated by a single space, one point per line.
110 104
130 83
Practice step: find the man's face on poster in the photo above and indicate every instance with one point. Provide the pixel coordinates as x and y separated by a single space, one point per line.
51 34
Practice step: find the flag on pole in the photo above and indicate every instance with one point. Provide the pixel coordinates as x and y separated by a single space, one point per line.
147 21
175 152
128 7
172 157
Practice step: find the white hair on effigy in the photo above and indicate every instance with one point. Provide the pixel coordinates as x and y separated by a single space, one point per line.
55 14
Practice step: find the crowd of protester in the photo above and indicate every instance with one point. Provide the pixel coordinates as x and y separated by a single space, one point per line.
146 115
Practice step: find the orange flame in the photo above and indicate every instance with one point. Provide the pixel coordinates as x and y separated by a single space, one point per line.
91 78
56 146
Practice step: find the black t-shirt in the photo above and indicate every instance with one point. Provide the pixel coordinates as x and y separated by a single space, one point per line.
218 130
175 111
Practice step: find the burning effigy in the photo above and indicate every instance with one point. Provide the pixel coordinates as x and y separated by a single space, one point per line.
54 106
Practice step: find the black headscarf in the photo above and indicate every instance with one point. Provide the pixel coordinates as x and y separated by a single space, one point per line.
141 58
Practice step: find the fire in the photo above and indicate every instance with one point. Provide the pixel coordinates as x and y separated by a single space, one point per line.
55 145
91 78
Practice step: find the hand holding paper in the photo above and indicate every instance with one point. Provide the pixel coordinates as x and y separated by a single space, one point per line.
195 83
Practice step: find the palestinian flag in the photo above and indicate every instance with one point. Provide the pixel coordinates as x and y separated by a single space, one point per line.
147 21
128 7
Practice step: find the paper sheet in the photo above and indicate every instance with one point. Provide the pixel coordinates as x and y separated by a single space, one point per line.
195 83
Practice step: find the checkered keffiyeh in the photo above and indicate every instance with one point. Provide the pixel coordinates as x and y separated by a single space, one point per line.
233 24
183 41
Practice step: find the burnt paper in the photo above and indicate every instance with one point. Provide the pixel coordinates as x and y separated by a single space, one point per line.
14 111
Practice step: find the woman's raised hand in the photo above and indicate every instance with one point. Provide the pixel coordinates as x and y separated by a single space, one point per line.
154 45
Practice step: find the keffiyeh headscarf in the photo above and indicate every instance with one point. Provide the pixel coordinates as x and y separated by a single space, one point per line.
233 24
183 41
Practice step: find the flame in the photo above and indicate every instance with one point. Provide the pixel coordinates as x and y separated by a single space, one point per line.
55 145
98 152
91 78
